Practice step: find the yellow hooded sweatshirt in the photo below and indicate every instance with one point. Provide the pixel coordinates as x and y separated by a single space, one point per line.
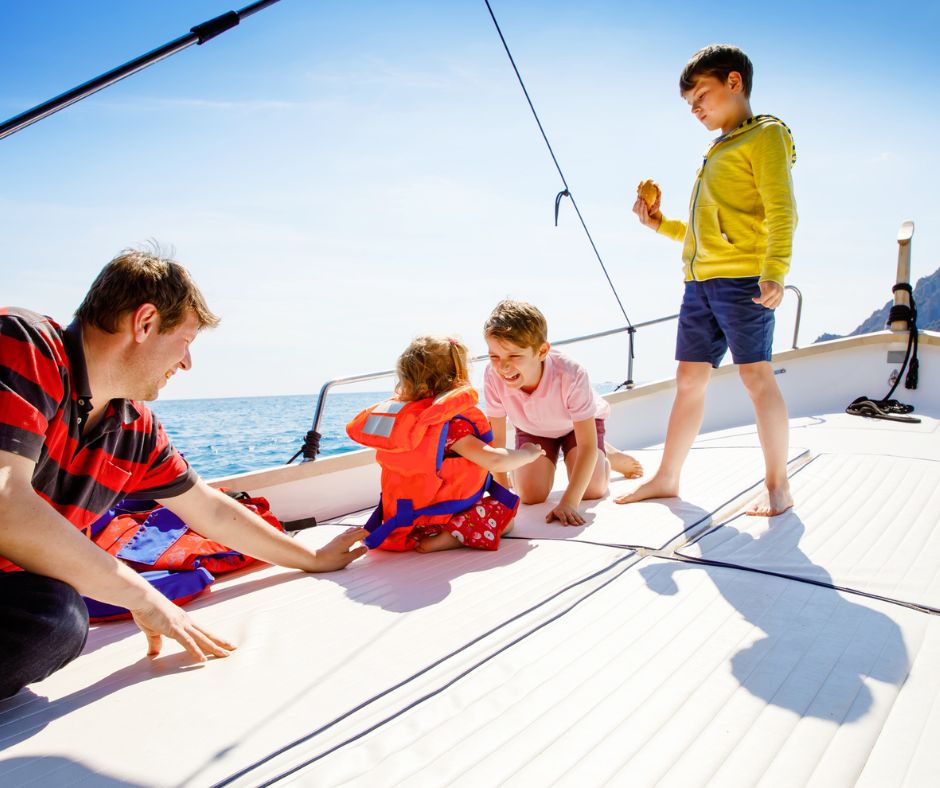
742 211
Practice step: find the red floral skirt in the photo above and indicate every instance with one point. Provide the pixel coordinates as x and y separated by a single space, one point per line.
479 527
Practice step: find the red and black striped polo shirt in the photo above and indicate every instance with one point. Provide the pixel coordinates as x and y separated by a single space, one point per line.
44 402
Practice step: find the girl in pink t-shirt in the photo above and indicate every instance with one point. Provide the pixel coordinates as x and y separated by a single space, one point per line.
549 400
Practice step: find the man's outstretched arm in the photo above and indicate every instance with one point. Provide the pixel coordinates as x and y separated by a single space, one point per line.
222 519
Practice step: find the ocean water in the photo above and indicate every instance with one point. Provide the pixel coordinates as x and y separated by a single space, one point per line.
221 437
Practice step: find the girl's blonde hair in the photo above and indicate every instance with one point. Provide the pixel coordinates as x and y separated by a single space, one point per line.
431 366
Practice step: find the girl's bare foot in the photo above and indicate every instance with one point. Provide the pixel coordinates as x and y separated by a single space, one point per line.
623 463
773 503
441 541
654 488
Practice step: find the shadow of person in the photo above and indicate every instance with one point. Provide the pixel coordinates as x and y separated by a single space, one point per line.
31 713
55 770
650 524
821 649
402 582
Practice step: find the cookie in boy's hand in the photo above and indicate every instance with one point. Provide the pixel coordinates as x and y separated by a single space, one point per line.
649 191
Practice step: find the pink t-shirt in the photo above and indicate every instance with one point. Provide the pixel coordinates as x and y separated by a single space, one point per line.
563 396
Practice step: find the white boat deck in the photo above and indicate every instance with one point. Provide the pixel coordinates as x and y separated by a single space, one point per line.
672 642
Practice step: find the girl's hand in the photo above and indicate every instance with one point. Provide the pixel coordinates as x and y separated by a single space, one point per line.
531 452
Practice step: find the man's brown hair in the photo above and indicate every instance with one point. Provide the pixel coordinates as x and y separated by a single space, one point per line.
138 277
517 322
717 60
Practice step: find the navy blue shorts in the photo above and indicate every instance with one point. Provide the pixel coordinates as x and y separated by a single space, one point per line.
718 314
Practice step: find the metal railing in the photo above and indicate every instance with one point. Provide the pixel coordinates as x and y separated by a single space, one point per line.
628 383
799 314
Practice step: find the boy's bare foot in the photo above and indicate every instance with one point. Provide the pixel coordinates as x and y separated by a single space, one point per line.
441 541
775 502
654 488
623 463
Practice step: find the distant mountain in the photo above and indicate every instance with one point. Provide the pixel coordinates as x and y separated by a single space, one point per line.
927 298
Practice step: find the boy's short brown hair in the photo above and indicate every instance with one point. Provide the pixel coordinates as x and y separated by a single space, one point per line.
717 60
138 277
517 322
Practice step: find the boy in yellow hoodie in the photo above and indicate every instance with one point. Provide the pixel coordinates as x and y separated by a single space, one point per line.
736 251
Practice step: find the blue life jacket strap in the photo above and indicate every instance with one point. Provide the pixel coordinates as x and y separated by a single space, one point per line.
405 514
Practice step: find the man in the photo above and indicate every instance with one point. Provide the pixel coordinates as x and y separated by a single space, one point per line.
75 439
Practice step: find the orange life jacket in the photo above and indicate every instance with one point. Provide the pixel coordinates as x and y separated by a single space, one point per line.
419 484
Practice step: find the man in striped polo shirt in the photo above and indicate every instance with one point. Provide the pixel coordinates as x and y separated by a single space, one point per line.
75 439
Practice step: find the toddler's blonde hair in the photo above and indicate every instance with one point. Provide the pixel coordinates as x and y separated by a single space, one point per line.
431 366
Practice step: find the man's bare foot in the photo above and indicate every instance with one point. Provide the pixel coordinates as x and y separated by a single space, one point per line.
629 466
441 541
773 503
654 488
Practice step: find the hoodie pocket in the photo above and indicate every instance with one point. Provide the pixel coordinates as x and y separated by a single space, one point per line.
712 240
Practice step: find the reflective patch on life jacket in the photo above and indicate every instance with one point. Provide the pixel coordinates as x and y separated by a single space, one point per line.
379 424
381 421
389 406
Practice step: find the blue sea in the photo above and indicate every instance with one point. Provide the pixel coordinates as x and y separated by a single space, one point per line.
221 437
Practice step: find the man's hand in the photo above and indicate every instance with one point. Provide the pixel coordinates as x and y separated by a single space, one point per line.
160 617
565 514
340 551
650 216
771 294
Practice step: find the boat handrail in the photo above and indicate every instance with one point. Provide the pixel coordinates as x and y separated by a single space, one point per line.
799 314
311 444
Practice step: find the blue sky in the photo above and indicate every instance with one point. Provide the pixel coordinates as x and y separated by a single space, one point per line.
341 177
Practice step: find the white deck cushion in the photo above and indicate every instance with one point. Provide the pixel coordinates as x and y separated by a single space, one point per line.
862 522
311 648
711 479
675 675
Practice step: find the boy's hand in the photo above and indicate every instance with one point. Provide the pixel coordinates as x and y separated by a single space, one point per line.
649 216
771 294
565 514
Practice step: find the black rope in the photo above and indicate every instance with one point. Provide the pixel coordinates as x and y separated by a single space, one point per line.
887 408
566 192
311 447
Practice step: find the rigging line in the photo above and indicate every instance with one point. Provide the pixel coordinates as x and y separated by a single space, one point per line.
198 34
557 165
